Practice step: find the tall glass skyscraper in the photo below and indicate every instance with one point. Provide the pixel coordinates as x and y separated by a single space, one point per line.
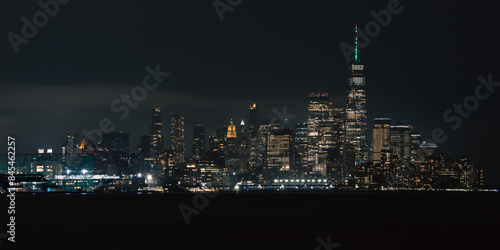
356 121
177 139
198 141
381 137
319 110
156 141
254 121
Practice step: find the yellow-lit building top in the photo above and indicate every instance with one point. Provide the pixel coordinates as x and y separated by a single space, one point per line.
231 130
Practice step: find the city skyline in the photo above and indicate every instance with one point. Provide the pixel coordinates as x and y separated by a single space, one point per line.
237 124
93 89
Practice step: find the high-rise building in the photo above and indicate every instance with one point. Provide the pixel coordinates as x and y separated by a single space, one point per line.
326 136
177 139
356 121
116 152
243 148
401 142
232 140
117 143
156 147
243 131
144 146
300 144
319 110
381 137
416 141
198 140
253 121
279 157
217 141
337 170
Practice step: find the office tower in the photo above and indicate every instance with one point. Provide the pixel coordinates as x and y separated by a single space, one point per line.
213 143
198 141
356 123
116 152
217 141
253 121
145 146
381 137
319 110
337 171
326 136
156 147
243 148
279 160
416 140
401 142
426 149
117 143
177 139
471 176
300 143
243 130
70 151
232 141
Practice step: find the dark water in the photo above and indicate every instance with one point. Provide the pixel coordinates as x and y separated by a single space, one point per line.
259 221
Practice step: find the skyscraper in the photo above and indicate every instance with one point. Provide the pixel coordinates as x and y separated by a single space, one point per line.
300 144
156 132
401 142
356 121
337 171
381 137
254 121
198 140
177 139
144 146
279 158
116 152
319 110
232 140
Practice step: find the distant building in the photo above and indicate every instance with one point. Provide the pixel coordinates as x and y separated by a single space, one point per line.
253 121
401 142
279 157
198 141
156 139
116 153
144 147
177 139
300 145
319 110
381 137
232 140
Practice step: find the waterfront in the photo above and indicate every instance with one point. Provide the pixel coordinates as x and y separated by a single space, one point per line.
356 220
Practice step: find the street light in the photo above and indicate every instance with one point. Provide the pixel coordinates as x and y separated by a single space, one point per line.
84 171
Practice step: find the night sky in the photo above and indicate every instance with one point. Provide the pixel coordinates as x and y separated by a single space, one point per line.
270 52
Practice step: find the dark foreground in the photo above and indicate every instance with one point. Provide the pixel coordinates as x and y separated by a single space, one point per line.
258 221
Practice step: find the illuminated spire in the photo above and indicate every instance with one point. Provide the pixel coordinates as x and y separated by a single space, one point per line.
82 146
356 44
